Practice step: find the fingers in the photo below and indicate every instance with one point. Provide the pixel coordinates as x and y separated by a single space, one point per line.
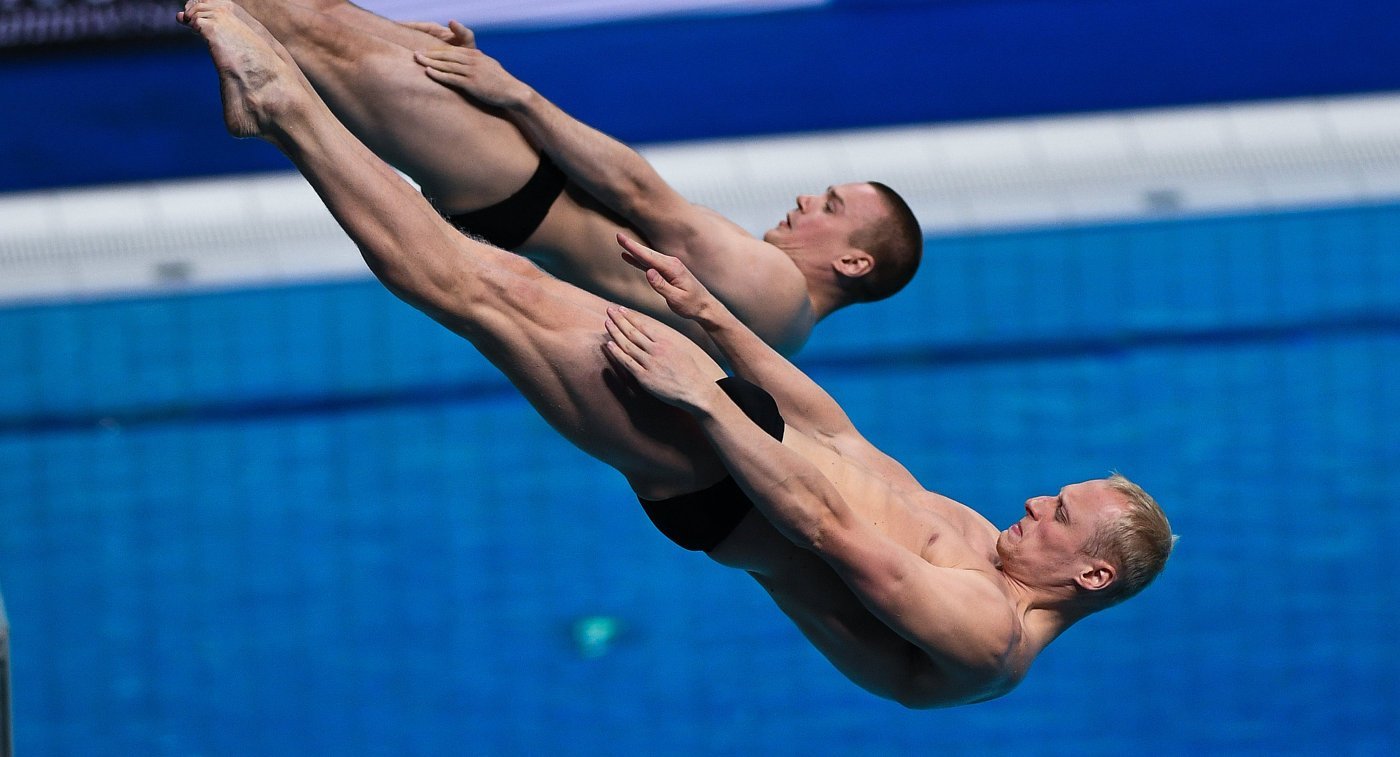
444 55
461 35
190 14
438 31
443 65
661 285
619 356
624 350
639 252
450 60
631 326
654 277
194 10
643 258
620 338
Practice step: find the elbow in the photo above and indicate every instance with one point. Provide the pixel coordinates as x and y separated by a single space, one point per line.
438 292
643 198
632 199
819 535
922 687
824 531
916 701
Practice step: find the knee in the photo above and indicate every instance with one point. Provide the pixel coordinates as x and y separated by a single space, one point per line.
517 290
496 279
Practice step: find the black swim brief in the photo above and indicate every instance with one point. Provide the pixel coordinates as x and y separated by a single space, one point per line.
699 521
510 222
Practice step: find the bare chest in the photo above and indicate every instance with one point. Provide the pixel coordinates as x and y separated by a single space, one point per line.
947 538
942 531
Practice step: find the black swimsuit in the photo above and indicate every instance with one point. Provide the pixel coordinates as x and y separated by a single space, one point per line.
701 520
510 222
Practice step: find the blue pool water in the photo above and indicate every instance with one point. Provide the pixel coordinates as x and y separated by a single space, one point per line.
306 520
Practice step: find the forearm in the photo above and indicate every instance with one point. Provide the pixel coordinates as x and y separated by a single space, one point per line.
803 401
786 488
609 170
738 421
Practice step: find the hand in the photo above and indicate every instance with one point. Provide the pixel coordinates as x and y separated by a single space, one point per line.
666 364
473 73
453 34
671 279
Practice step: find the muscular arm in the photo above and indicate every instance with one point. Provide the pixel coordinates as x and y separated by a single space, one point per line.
611 171
799 500
804 404
762 286
955 616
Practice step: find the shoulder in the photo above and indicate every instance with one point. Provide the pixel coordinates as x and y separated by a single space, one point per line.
711 237
689 224
959 547
754 279
986 659
993 652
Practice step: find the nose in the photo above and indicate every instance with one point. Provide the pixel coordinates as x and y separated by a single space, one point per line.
1031 506
802 201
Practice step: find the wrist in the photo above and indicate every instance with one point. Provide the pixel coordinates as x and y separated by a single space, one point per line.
704 400
522 100
712 316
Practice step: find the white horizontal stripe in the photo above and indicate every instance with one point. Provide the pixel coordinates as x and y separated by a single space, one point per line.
959 178
482 14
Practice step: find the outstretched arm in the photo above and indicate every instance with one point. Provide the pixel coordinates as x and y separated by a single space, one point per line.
798 499
611 171
804 404
955 616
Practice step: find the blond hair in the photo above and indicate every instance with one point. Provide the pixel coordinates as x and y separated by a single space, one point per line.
1137 542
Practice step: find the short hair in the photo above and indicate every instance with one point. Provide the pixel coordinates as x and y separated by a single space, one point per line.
897 244
1137 542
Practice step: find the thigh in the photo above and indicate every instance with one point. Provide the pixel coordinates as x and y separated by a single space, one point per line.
548 338
464 156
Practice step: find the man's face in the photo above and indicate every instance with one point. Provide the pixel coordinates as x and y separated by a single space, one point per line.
1046 544
831 216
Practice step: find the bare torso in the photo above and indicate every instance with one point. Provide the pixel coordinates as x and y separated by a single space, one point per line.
821 604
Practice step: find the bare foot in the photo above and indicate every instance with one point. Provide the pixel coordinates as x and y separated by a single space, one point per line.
257 85
257 27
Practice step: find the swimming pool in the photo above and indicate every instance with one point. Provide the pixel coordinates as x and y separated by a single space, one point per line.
306 520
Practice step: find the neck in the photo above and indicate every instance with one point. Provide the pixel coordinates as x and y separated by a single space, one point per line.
825 300
1045 613
825 295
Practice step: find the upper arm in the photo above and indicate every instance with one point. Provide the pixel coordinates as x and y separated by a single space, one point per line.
956 616
655 208
756 281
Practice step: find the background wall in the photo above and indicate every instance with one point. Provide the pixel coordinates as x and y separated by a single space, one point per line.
85 115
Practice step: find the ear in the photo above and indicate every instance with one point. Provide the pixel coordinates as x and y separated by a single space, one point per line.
854 263
1096 576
